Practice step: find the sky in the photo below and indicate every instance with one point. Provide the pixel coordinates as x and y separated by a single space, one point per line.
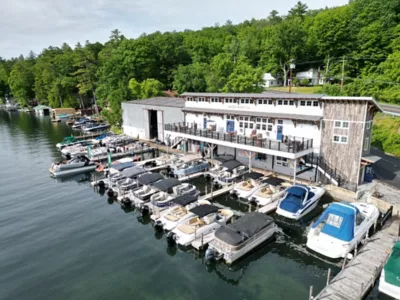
36 24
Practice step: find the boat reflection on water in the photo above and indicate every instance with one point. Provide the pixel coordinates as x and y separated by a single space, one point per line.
79 178
158 234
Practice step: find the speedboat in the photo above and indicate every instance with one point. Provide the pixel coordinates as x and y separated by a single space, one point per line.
177 213
192 167
167 159
215 171
389 282
206 219
232 171
142 181
251 183
299 200
95 127
69 141
73 166
63 116
78 123
267 195
237 239
340 228
164 199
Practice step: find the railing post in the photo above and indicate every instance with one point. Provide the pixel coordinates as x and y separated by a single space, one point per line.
245 140
231 138
279 146
269 147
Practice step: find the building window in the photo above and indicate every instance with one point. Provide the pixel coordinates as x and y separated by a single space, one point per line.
247 101
342 124
309 103
260 101
270 102
246 118
315 103
258 126
258 120
291 102
368 125
340 139
280 122
230 117
241 124
279 102
251 101
269 127
264 120
246 125
366 144
281 161
190 99
251 125
242 101
302 103
241 118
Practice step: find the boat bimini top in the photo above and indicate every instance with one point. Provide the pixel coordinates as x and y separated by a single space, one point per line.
204 210
166 184
133 172
338 221
244 228
184 200
253 175
231 164
274 181
150 178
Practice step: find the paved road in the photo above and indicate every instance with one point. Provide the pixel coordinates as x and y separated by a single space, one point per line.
387 169
390 108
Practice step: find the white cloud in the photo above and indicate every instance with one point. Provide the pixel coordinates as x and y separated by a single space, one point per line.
36 24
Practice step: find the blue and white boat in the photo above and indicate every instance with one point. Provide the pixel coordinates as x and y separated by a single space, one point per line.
299 200
78 123
188 168
95 127
340 228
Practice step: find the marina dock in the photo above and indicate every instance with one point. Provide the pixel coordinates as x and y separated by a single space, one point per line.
360 274
217 193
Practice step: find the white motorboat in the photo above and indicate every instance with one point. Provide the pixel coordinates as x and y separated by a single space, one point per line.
251 183
298 201
95 127
164 199
125 181
215 171
167 159
177 213
389 282
205 219
188 168
340 228
73 166
143 181
232 171
267 195
237 239
142 195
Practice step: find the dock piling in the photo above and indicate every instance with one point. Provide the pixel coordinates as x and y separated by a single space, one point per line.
310 297
344 261
328 279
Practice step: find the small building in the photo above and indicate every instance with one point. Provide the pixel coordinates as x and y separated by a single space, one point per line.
42 110
146 118
312 75
55 112
270 81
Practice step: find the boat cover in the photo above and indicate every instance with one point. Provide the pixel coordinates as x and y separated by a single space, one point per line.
147 179
392 267
244 228
253 175
123 166
166 184
293 201
204 210
133 172
338 220
224 158
231 164
274 181
184 200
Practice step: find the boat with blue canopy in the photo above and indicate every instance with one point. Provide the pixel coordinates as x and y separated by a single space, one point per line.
340 228
299 200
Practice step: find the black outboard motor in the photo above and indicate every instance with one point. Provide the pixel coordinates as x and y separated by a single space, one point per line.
144 209
171 238
210 254
127 202
110 193
158 225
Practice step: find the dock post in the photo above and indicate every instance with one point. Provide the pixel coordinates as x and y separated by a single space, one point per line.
362 290
375 225
355 250
310 297
202 240
344 262
328 279
212 192
206 189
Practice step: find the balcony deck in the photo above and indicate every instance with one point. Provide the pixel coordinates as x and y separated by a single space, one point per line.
290 147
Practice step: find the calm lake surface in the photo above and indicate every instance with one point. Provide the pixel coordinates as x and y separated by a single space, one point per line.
64 240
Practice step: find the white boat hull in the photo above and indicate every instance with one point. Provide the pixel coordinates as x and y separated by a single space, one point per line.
59 173
387 288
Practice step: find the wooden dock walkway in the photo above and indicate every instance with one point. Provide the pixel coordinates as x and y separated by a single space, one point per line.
217 193
360 274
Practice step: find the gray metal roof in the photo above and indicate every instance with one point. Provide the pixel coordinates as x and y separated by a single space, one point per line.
253 113
281 95
160 101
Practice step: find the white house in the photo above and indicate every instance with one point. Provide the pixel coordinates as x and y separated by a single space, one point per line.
270 80
313 75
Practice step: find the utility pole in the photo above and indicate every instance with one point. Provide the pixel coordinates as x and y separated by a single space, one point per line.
292 66
343 64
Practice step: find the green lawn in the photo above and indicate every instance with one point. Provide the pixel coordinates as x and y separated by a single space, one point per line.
299 89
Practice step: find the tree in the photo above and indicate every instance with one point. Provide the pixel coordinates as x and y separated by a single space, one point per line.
151 88
244 79
304 82
191 78
299 10
221 68
21 82
135 88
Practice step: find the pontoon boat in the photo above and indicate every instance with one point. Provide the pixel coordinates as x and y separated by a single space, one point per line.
251 183
73 166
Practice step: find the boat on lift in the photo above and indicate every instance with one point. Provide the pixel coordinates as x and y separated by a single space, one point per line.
389 282
340 228
235 240
232 171
206 219
299 200
251 183
177 213
76 165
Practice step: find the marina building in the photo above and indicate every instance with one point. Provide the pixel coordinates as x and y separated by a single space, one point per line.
314 137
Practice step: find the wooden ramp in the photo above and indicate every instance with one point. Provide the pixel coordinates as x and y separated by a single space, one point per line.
360 274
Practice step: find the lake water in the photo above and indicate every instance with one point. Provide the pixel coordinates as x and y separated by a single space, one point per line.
64 240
